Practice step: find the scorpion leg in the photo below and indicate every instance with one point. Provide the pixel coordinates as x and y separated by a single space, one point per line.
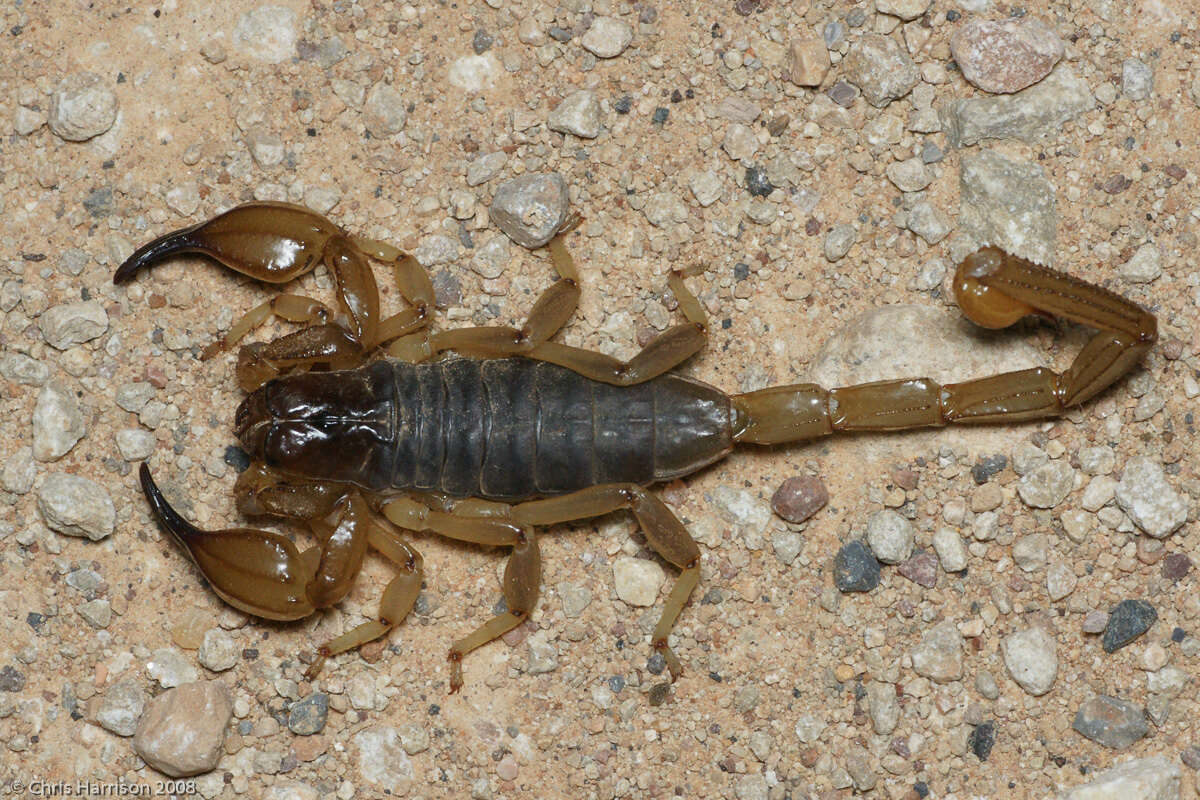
994 290
329 345
522 575
662 529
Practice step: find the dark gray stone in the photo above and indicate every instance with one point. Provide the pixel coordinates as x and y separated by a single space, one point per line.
1129 620
1111 722
855 569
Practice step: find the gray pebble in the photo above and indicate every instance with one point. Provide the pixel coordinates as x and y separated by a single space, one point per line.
938 656
1030 114
950 549
485 167
930 223
855 569
542 654
909 175
838 241
436 249
1154 778
1111 722
1031 657
133 396
57 422
73 260
1029 552
19 471
880 69
740 142
1137 79
87 582
883 706
574 599
76 506
67 325
266 33
183 729
578 114
97 613
1144 266
607 38
308 716
184 198
986 685
1094 621
11 680
20 368
171 668
1060 581
906 10
322 199
890 536
82 107
218 650
706 187
1008 203
491 257
121 707
1149 500
385 111
531 208
787 545
1129 620
1048 485
135 444
266 148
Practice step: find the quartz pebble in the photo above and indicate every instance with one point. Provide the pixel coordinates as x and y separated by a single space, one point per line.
121 707
1027 115
64 326
218 650
1003 56
385 111
939 655
1048 485
135 444
1149 500
1031 657
890 536
382 759
1060 581
1144 266
486 167
578 114
82 107
76 506
266 33
171 668
19 471
1111 721
57 422
637 580
607 37
880 69
1153 778
182 732
950 549
1137 79
530 209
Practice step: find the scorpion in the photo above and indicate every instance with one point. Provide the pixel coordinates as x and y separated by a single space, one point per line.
358 430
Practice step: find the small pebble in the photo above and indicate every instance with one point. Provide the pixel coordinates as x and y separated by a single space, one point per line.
531 208
384 111
637 580
58 422
19 471
218 650
122 707
890 536
578 114
981 739
171 668
1153 778
807 62
485 167
855 568
182 732
798 498
11 679
1137 79
1031 657
1095 621
1129 620
607 37
1176 566
950 549
939 654
1111 721
1150 501
82 107
1003 56
135 444
1047 485
307 717
266 33
880 69
76 506
64 326
921 569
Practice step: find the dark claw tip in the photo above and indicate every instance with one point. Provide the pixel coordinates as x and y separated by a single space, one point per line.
180 241
168 517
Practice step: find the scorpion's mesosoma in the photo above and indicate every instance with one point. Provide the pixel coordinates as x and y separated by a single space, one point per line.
348 423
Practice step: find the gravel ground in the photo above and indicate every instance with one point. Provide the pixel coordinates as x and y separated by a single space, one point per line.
1034 622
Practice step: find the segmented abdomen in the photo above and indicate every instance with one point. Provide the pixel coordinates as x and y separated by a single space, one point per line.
511 429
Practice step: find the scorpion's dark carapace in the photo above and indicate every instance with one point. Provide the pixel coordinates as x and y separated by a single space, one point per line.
358 430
